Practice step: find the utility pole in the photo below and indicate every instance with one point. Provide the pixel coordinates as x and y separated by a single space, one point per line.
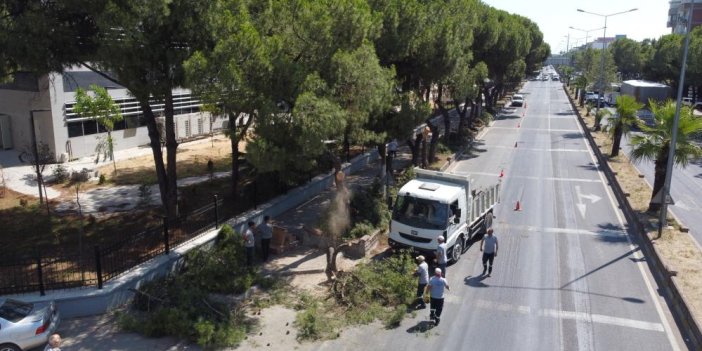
674 137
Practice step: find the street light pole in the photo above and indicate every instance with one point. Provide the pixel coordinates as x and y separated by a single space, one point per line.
587 32
662 219
602 64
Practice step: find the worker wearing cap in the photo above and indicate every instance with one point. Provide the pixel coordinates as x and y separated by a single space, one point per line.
422 272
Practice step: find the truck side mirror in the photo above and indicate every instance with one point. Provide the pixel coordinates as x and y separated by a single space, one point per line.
457 216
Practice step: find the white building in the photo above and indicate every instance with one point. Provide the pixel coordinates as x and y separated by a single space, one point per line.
679 11
50 99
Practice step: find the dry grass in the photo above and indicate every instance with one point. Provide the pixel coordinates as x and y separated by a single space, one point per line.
677 250
192 161
10 199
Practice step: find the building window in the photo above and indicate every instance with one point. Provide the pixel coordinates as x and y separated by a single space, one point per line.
199 126
75 129
187 129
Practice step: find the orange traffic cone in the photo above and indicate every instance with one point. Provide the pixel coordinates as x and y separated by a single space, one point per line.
517 207
502 173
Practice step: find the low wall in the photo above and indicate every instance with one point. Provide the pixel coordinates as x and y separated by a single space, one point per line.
116 292
682 314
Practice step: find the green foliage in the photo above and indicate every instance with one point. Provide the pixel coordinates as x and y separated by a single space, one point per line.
368 211
181 305
60 173
379 290
314 323
486 117
102 108
102 179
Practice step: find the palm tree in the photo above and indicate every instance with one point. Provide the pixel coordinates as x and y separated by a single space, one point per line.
623 121
654 144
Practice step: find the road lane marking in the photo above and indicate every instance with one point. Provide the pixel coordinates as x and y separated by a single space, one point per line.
571 315
529 228
542 129
540 150
583 180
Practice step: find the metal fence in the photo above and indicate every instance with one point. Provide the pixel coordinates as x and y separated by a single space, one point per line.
41 272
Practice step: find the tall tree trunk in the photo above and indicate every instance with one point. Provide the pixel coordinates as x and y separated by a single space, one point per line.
461 117
435 133
415 146
236 136
171 149
618 131
155 143
659 178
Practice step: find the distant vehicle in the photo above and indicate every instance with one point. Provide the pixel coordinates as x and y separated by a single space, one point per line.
687 101
644 91
517 100
25 325
555 78
545 78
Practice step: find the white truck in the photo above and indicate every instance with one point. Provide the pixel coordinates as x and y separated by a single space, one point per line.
440 204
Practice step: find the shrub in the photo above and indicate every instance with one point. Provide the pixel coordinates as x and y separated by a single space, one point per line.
60 173
102 179
181 305
80 176
314 324
486 117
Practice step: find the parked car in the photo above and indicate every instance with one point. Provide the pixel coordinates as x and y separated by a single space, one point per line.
517 100
25 325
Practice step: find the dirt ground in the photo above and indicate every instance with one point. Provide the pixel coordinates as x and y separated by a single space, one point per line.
192 161
677 249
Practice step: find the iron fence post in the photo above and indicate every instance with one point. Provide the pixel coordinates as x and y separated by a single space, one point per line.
98 266
40 275
166 244
216 210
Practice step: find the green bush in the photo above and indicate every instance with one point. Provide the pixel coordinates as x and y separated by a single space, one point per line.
181 305
486 117
313 323
102 179
361 229
60 173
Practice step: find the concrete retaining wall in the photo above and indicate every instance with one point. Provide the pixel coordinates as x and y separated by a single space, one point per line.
116 292
686 321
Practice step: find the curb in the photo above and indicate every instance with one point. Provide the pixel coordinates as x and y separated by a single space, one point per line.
689 325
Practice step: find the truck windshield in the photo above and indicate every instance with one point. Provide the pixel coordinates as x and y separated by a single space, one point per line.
420 213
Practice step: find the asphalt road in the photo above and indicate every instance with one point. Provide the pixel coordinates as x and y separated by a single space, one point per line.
566 276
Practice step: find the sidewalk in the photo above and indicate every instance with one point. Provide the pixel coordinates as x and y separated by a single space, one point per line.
304 265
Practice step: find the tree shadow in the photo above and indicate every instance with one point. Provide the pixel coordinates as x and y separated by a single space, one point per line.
611 233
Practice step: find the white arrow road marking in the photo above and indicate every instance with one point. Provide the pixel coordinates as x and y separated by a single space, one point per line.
582 207
570 315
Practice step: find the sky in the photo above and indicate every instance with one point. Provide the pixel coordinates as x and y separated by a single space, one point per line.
554 17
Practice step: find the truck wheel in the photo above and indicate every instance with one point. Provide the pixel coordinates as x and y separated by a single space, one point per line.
457 250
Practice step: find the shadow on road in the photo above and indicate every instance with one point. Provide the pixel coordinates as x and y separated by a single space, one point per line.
421 327
476 282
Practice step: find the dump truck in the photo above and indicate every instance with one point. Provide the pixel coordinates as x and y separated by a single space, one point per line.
440 204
